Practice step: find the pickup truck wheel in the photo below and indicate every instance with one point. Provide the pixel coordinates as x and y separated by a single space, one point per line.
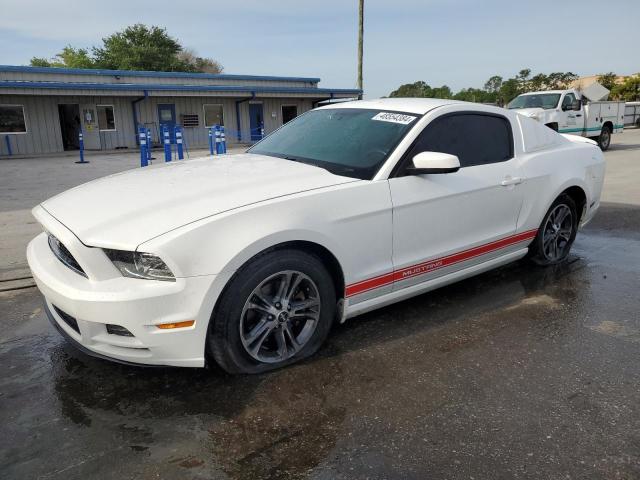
277 310
556 233
604 140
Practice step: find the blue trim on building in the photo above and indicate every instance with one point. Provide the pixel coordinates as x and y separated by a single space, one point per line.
138 73
139 87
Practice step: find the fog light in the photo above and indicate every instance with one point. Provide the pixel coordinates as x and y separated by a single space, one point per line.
118 330
169 326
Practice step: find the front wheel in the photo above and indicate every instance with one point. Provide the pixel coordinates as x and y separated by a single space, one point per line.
556 234
604 140
277 310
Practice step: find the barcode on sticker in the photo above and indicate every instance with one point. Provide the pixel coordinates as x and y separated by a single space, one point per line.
394 118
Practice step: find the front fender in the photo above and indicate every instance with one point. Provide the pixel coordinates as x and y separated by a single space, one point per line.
339 219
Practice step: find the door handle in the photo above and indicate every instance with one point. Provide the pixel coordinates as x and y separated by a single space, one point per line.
511 181
579 115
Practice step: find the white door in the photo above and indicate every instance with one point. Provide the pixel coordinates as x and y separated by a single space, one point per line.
446 222
90 129
571 121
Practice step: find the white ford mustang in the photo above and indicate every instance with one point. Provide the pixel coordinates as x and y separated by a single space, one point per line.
248 260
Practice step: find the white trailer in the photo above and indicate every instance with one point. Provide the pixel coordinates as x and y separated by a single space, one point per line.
632 114
571 111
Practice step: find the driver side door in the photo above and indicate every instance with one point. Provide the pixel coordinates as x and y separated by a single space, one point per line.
447 222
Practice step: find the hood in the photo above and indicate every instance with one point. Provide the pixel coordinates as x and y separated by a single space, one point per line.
528 112
126 209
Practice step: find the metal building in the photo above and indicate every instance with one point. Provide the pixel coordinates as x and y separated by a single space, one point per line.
42 110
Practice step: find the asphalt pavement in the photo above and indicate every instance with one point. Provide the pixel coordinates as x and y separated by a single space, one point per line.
523 372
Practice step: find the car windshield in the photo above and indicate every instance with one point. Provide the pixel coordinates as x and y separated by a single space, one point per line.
353 142
542 100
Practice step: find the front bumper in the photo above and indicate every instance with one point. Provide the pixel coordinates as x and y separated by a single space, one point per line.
137 305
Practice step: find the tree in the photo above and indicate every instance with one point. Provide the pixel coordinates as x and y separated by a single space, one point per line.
199 64
608 80
69 57
493 84
416 89
422 90
137 47
628 90
475 95
509 90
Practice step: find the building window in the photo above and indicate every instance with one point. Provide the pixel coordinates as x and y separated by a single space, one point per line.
12 119
106 118
213 114
289 112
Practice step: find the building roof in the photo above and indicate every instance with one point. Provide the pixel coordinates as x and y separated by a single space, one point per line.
142 73
47 80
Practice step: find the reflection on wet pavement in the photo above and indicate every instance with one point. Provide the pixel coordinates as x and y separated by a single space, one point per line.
518 373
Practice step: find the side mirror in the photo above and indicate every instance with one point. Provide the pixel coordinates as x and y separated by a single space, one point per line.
433 162
576 106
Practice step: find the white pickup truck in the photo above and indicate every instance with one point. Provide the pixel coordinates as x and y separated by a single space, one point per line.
571 111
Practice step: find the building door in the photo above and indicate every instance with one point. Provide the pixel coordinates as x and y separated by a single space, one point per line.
167 118
256 121
69 114
289 112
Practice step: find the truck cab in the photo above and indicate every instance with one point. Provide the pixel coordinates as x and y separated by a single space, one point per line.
570 111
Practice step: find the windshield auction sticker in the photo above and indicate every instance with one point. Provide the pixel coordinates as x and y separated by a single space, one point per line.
394 118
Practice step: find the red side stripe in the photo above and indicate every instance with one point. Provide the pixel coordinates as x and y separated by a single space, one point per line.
436 264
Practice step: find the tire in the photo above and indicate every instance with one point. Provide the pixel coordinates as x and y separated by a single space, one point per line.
252 321
604 140
541 251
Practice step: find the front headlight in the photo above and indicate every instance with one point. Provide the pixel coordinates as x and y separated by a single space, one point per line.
140 265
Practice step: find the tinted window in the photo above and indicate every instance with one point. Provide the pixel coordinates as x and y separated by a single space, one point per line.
348 141
475 139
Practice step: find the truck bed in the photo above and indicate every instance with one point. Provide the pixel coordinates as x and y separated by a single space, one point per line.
604 113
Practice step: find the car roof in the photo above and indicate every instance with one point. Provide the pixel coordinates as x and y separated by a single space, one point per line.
410 105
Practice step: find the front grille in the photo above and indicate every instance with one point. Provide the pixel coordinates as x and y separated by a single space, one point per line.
68 319
64 255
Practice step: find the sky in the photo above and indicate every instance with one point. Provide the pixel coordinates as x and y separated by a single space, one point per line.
460 43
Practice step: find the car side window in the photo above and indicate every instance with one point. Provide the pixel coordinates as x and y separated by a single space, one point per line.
568 100
476 139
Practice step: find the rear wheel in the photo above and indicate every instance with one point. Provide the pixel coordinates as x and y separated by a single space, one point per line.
556 234
604 140
277 310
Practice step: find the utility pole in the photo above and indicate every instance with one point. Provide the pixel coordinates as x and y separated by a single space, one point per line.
360 34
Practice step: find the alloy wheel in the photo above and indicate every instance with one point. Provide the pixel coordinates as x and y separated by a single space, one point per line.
280 316
558 230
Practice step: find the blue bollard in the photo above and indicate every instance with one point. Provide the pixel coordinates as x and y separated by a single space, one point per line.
261 130
218 140
149 145
8 140
223 140
167 144
178 134
210 140
81 141
144 159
